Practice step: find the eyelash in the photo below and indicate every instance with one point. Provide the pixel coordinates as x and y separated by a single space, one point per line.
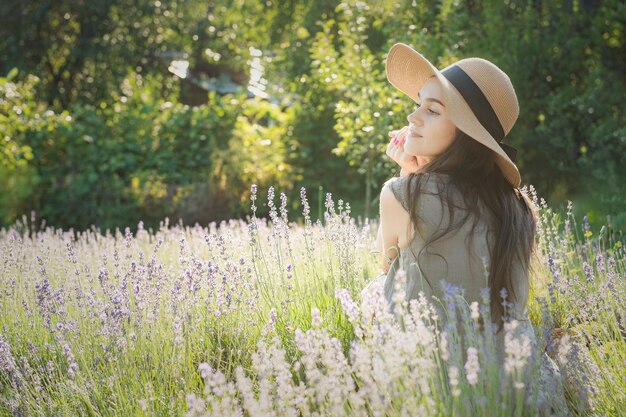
429 110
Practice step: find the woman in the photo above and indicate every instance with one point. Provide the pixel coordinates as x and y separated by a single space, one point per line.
456 212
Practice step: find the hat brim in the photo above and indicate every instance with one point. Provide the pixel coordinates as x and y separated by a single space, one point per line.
408 70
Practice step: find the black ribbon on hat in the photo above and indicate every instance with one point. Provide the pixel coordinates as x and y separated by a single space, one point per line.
480 106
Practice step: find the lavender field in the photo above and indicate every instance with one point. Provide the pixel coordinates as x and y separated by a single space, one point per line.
265 318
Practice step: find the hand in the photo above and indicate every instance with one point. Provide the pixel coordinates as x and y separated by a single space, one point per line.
395 150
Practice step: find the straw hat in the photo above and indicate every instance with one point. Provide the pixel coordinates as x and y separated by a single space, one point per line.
479 96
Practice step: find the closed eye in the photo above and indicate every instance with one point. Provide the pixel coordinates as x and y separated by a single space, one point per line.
430 110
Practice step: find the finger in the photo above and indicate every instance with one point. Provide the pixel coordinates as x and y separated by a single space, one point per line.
394 133
391 149
402 135
397 131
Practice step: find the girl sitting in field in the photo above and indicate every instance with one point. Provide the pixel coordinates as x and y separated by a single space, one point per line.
456 213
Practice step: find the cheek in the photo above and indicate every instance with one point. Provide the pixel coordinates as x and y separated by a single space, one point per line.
448 134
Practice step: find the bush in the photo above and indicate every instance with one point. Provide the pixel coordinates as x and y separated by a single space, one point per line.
139 158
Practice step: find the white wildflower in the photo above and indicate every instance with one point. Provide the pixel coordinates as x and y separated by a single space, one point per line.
453 375
474 310
472 367
517 348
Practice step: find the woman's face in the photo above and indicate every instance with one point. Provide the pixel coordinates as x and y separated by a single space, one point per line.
430 129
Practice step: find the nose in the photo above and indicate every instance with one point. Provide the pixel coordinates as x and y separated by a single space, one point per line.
414 118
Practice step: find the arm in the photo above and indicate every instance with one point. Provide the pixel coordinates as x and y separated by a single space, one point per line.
379 235
379 239
390 212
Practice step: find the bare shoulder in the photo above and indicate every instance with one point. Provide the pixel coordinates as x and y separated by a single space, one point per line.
394 218
390 192
387 196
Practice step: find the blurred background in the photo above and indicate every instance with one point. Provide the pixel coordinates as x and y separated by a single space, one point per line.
116 111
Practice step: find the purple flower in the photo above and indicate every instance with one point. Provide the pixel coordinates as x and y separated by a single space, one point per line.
600 263
71 361
128 235
272 316
588 271
504 293
204 368
7 362
568 227
484 295
329 202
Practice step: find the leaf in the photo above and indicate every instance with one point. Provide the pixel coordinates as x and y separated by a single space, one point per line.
12 74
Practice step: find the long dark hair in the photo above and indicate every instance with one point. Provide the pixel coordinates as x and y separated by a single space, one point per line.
474 173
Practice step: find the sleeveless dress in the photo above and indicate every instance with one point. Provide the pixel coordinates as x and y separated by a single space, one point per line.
460 258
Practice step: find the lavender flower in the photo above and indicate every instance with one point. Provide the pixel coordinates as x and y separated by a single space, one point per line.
253 190
329 204
283 207
7 362
588 272
600 263
306 210
71 361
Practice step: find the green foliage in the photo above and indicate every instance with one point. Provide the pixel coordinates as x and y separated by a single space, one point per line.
19 111
563 58
83 50
567 70
140 158
332 106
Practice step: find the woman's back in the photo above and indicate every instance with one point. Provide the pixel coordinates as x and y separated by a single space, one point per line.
460 257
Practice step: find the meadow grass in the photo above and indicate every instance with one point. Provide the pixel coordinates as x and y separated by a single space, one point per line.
264 317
